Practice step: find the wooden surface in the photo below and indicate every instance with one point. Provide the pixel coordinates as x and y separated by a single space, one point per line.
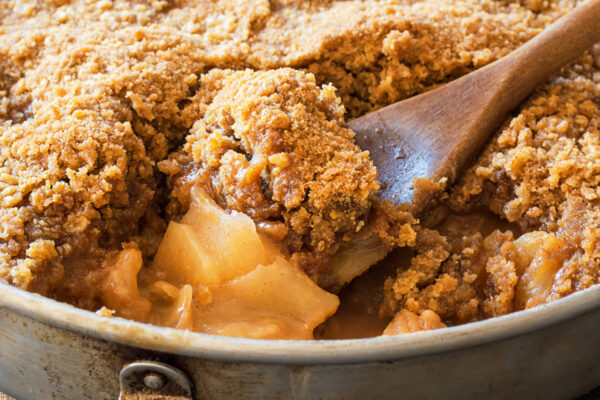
438 132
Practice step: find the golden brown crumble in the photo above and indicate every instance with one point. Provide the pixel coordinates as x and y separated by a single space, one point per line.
111 110
540 173
274 146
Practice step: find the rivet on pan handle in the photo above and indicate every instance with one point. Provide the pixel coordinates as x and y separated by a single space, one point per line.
149 380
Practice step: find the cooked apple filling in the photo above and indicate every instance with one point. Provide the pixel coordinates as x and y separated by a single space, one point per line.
214 273
188 164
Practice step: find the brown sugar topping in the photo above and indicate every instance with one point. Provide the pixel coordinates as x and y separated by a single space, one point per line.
111 111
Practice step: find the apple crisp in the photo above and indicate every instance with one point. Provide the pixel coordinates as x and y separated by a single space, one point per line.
188 164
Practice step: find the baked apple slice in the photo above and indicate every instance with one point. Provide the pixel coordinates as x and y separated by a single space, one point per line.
535 285
209 246
275 301
119 291
354 258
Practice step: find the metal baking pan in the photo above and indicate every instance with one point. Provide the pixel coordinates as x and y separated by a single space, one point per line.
51 350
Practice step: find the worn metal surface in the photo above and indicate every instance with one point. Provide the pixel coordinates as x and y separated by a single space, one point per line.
53 351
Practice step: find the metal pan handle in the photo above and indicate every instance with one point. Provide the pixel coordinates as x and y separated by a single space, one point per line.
150 380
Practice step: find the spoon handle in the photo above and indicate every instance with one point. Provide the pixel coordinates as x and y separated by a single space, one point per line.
490 93
535 61
437 133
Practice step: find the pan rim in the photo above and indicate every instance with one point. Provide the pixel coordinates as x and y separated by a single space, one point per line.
296 352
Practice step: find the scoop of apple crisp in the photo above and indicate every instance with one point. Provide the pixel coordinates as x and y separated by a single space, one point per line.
274 146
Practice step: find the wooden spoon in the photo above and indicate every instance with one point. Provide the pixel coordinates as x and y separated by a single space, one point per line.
437 133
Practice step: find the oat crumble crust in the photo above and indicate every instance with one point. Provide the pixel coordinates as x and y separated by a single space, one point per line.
539 174
110 109
273 145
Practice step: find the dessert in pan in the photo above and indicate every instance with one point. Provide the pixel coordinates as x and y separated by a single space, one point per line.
188 164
